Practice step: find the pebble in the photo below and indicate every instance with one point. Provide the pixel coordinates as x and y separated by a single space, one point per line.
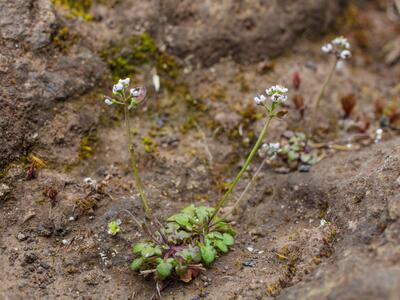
249 263
21 236
250 249
282 170
311 65
304 168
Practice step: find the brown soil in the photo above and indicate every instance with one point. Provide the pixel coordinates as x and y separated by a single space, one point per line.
331 233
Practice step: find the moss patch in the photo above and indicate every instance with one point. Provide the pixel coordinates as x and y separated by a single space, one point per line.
75 8
63 39
125 58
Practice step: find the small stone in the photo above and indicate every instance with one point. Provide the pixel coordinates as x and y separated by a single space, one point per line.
311 65
304 168
42 230
398 180
394 207
45 265
21 236
30 258
248 263
288 134
282 170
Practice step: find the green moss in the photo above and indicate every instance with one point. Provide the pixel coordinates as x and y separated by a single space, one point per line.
76 8
149 144
86 148
126 57
63 39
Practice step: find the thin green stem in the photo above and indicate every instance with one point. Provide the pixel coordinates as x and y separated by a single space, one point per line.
253 152
147 209
324 86
319 96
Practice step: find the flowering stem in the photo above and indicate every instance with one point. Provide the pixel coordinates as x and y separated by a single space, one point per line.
145 203
324 86
253 152
319 97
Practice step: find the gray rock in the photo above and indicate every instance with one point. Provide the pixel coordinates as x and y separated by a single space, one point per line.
394 207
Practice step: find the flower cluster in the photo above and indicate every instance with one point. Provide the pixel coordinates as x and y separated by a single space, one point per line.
134 97
270 149
276 93
340 47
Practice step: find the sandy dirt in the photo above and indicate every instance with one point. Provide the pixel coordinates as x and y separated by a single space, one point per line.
330 233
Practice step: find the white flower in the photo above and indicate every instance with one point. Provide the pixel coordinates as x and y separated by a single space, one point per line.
259 99
341 42
327 48
278 98
135 92
117 88
108 101
277 89
274 147
345 54
263 150
124 82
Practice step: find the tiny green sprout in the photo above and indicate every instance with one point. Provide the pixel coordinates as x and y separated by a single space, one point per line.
114 227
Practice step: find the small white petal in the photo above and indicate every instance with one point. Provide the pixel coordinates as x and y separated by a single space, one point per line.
125 82
108 102
327 48
345 54
135 92
156 82
259 99
117 88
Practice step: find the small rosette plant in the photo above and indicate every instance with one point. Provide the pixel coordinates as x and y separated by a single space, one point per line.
187 243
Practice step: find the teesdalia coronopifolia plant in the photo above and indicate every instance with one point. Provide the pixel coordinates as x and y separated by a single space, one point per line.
192 239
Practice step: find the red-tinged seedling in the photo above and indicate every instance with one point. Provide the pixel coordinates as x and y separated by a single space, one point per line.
299 104
348 104
296 80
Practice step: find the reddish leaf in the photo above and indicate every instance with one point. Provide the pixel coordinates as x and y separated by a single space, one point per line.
31 172
296 80
188 276
348 103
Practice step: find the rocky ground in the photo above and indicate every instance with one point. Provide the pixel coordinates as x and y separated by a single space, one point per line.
330 233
